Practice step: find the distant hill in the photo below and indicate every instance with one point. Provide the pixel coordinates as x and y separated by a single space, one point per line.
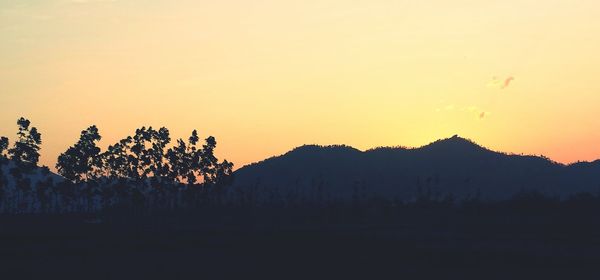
454 166
34 175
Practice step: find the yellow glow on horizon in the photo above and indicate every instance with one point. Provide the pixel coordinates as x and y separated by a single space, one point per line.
266 76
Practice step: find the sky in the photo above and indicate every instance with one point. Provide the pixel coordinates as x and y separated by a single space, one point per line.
265 76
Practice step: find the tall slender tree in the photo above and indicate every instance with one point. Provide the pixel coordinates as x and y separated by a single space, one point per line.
207 160
159 139
177 157
138 156
3 147
3 157
26 149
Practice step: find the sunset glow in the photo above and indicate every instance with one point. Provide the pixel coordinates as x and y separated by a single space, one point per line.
266 76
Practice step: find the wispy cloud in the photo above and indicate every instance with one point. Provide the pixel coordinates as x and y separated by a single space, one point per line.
480 113
500 83
507 82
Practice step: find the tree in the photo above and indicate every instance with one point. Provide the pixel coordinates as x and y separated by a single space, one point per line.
3 148
156 154
129 165
138 157
3 182
82 162
148 152
184 160
178 161
189 163
26 149
213 172
3 154
116 159
208 162
224 174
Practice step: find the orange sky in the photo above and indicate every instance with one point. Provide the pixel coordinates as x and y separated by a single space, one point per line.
265 76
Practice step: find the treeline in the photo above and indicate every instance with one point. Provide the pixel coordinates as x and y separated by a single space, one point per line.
147 172
145 156
138 170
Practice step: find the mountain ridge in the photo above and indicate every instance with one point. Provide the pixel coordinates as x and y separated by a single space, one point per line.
454 165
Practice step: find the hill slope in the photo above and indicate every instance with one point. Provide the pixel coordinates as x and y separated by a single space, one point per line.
450 166
35 175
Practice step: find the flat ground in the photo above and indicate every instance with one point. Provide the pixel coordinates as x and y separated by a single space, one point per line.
436 244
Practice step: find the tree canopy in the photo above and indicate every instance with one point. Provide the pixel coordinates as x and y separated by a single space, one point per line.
26 149
144 155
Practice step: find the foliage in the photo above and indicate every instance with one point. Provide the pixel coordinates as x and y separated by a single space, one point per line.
138 169
26 149
82 162
3 146
145 156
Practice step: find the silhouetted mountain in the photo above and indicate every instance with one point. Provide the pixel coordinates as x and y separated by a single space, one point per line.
453 166
34 175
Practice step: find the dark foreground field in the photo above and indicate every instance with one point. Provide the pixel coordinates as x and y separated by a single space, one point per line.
443 243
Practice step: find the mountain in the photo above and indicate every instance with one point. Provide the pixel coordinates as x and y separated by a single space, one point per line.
455 166
33 175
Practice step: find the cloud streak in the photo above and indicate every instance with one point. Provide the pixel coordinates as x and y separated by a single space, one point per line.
507 82
499 83
480 113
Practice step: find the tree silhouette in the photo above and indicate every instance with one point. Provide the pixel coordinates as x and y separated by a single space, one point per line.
3 184
148 151
3 148
223 174
189 163
116 159
208 162
138 157
82 161
26 149
136 171
178 161
213 172
3 157
159 141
